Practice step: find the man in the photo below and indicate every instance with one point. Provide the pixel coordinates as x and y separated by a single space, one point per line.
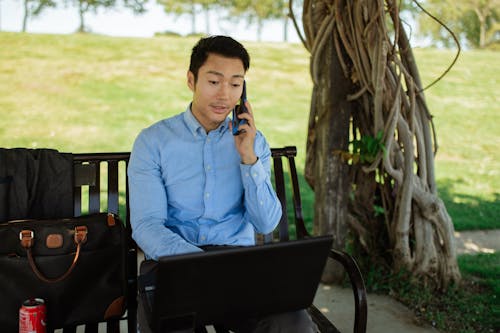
192 183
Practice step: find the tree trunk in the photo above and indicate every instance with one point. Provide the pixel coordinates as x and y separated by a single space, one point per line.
260 25
482 28
207 20
330 133
357 58
193 18
81 12
285 29
26 15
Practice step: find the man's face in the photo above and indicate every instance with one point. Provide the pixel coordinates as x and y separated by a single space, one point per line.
217 90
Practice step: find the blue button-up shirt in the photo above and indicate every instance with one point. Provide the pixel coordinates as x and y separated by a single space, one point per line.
188 188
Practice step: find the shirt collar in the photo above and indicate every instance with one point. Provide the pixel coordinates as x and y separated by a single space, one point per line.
196 128
193 125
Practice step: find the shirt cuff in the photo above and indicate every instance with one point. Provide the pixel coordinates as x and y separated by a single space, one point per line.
253 174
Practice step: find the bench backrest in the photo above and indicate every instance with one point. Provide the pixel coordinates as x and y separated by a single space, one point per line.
282 233
100 185
90 178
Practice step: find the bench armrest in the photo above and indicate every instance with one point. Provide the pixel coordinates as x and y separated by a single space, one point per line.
358 288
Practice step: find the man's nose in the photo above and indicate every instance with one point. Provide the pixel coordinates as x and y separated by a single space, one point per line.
223 92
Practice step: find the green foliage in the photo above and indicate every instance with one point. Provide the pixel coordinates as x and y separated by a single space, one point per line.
472 306
485 267
250 10
262 9
364 150
180 7
34 8
474 21
168 33
367 148
191 7
258 11
378 210
85 6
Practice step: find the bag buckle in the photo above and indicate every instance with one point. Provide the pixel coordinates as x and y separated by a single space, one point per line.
26 238
23 233
80 234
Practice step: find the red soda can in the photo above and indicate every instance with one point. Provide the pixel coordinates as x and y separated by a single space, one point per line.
32 316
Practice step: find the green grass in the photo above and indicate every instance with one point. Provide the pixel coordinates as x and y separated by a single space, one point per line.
472 306
466 110
87 93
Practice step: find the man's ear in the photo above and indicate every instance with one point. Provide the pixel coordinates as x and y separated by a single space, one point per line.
190 80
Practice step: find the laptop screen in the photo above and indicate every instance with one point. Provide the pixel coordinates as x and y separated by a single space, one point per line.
210 287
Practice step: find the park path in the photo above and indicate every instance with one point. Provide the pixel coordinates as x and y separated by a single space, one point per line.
386 315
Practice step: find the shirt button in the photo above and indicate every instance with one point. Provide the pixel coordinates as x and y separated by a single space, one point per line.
209 167
207 194
203 238
247 174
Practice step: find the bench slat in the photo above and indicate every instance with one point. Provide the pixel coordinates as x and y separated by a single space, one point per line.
113 192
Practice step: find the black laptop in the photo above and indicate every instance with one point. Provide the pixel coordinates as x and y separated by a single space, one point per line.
206 288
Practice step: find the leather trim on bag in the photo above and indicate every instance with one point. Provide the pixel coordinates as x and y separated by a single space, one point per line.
54 241
26 238
111 220
80 234
116 308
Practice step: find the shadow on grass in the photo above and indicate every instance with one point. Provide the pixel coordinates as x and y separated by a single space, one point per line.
469 212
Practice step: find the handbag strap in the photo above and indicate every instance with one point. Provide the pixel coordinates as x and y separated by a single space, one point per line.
27 241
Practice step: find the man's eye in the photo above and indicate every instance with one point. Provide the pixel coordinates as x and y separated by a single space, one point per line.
236 85
213 82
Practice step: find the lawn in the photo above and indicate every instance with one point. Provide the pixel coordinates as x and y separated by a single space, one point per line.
88 93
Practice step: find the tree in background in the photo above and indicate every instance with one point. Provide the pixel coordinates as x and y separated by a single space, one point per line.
191 7
84 6
371 143
33 8
257 11
291 7
474 21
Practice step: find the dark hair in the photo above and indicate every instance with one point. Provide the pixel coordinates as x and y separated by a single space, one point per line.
221 45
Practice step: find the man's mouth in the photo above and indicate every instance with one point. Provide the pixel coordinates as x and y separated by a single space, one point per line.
220 108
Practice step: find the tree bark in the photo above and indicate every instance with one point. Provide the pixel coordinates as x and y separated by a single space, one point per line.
193 18
330 172
285 29
26 15
206 9
364 69
81 12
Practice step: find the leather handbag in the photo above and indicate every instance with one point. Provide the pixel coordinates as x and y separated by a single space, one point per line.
77 265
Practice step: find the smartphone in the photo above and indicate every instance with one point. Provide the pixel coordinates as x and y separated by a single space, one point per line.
238 109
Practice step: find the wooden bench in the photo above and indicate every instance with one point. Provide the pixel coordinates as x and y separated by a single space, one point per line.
100 173
94 175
